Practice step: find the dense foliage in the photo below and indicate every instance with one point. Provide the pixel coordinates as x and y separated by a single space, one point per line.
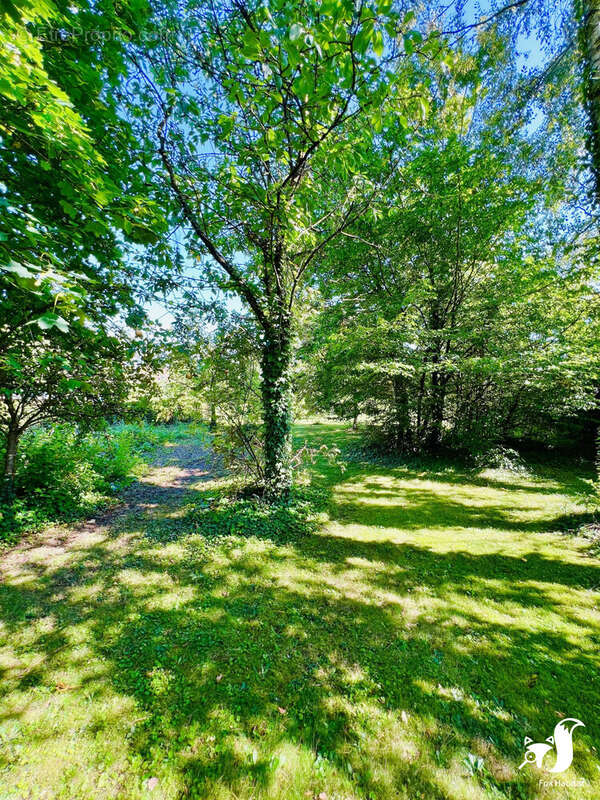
466 311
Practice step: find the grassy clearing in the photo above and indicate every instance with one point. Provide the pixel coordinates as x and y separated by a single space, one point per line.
404 649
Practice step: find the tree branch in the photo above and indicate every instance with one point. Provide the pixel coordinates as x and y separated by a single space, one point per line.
191 217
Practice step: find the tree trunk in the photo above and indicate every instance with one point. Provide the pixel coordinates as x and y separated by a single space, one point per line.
589 38
276 395
438 390
510 414
401 415
10 462
213 417
420 404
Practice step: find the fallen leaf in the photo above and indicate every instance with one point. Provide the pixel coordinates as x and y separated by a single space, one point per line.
63 687
281 710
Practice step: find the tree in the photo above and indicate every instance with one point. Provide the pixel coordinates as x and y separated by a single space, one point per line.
78 375
465 310
558 24
588 15
248 109
70 198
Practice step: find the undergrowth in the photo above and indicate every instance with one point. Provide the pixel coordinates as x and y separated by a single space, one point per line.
239 516
64 474
225 515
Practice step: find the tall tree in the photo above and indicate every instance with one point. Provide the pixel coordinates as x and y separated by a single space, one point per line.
246 110
439 322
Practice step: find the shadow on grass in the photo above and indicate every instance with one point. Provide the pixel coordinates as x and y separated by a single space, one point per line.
254 634
419 509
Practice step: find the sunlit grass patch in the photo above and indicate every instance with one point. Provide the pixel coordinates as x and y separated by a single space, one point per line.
401 645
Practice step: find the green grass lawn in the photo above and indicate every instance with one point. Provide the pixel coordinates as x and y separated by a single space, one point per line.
404 649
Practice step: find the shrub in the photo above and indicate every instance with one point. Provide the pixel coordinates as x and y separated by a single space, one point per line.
63 473
112 455
240 448
53 472
504 458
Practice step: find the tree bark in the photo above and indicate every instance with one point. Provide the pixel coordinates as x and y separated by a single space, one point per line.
438 399
589 38
401 414
10 462
420 405
276 395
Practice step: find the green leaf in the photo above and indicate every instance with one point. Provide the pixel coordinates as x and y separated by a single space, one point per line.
52 320
378 44
296 31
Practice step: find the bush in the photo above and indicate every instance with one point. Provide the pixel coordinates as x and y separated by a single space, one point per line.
504 458
63 473
240 448
52 471
113 457
597 464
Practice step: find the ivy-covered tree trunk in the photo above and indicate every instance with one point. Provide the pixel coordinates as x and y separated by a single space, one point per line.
276 395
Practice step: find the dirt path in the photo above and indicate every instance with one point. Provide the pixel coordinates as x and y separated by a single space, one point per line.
175 469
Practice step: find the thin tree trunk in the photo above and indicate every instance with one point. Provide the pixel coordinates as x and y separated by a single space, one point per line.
438 390
510 414
213 417
420 404
10 462
276 395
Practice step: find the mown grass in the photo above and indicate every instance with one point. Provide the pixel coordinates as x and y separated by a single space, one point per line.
399 643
